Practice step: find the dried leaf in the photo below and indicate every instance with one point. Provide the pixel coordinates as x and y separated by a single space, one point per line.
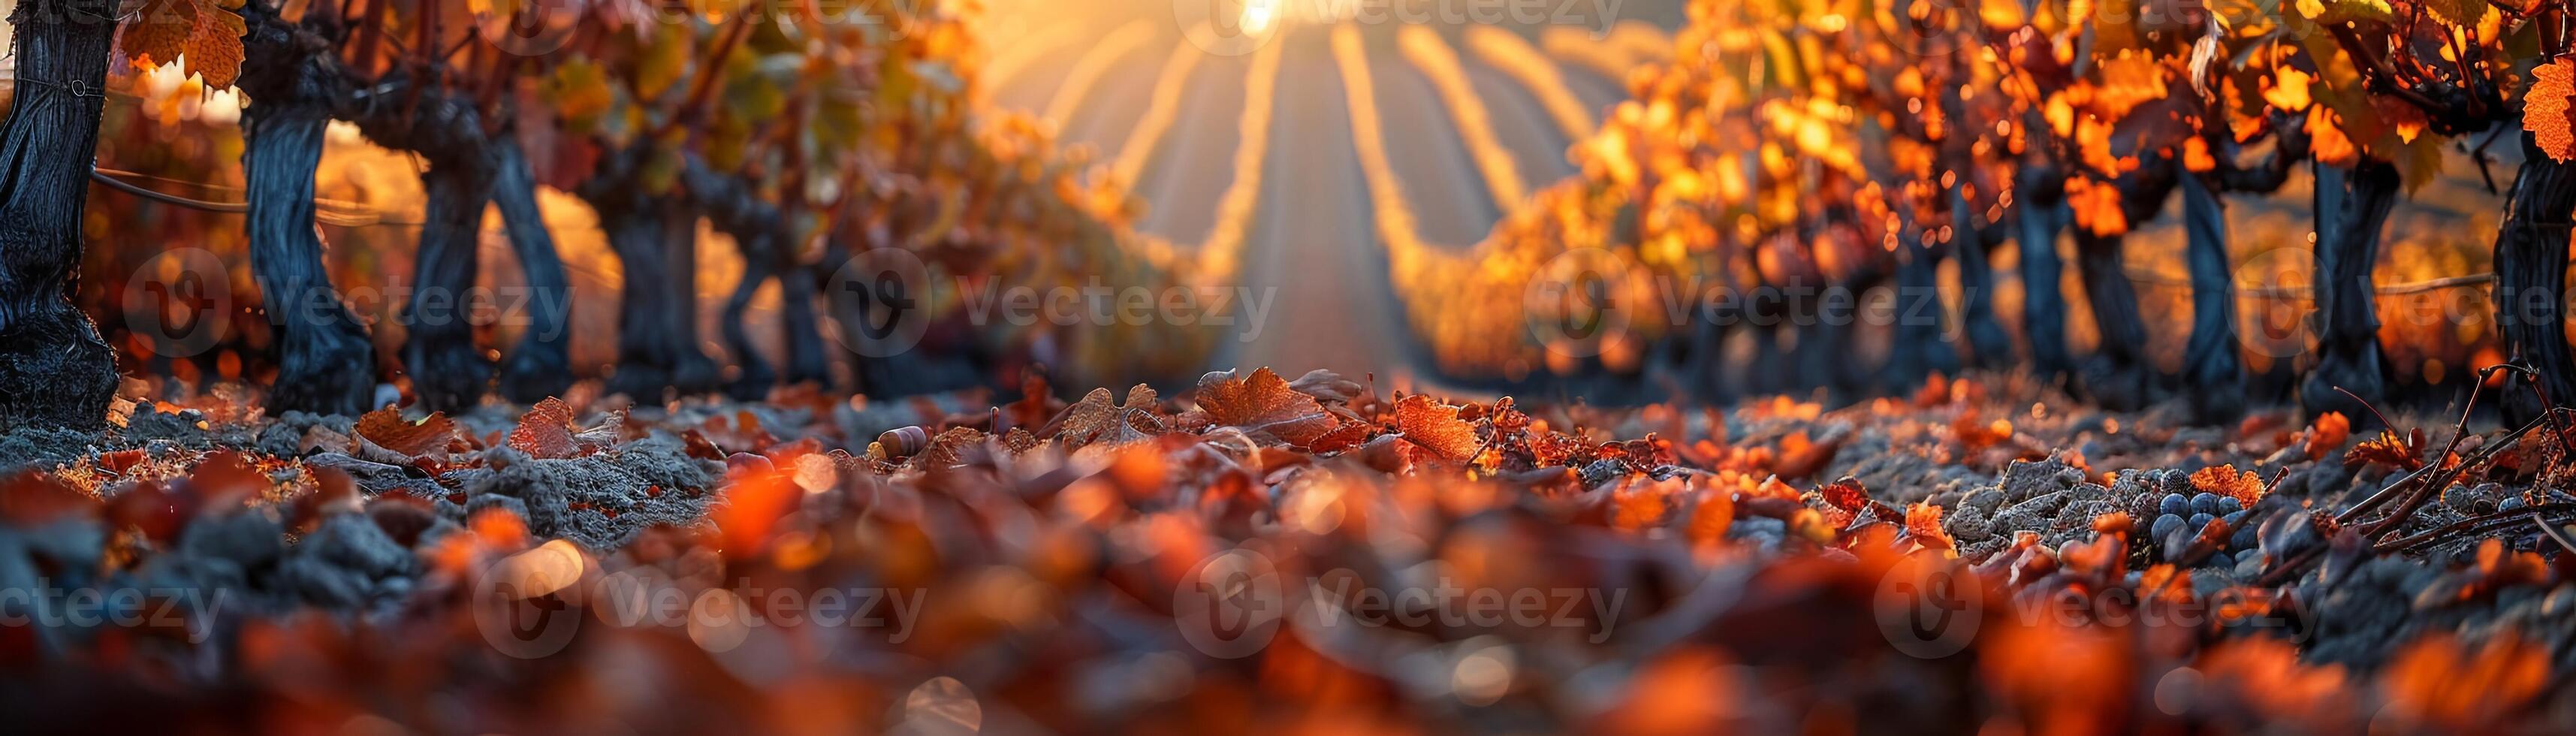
2391 450
1264 404
546 431
2326 434
408 441
2226 480
2545 108
1435 426
1095 420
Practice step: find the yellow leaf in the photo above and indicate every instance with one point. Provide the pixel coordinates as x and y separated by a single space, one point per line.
2289 90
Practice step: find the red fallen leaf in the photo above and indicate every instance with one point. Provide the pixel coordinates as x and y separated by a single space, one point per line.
2389 449
1800 458
1096 419
2438 682
120 461
1342 438
696 445
949 448
754 502
546 431
1849 497
223 480
333 491
1923 520
387 430
1263 404
2327 433
743 435
1555 448
32 499
1712 517
1435 426
1846 494
150 508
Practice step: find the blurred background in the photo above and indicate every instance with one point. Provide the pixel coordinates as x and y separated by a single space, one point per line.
1250 143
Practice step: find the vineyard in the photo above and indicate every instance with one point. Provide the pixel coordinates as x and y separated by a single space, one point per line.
967 366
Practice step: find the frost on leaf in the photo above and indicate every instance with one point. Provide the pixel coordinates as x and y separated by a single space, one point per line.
1095 420
2545 111
1435 426
546 431
1264 404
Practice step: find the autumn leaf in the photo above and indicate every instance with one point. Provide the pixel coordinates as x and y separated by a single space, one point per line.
1264 404
1923 520
386 430
2226 480
2390 449
2545 110
1097 420
1435 426
546 431
2327 140
207 33
948 449
2326 434
2444 684
2289 90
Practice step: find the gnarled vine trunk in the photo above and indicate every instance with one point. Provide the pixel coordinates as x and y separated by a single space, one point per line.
2351 208
760 233
2039 208
1988 345
54 369
447 372
325 362
2213 364
2531 277
2116 377
1921 344
541 364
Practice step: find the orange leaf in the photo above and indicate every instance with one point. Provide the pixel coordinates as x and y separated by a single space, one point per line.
1436 427
387 429
1095 419
1264 404
546 431
2327 433
2545 108
2226 480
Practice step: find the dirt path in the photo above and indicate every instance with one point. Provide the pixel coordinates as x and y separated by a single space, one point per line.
1186 177
1440 178
1313 247
1522 124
